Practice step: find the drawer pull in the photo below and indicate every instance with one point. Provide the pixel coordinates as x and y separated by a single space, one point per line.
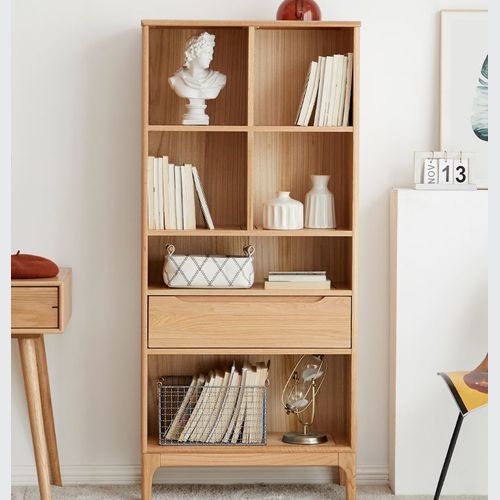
251 300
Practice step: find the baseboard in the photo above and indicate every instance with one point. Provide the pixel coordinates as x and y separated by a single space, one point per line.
25 475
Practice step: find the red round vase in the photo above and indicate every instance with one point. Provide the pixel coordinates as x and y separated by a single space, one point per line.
298 10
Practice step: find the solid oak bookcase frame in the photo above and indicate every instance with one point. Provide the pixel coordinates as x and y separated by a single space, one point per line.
250 150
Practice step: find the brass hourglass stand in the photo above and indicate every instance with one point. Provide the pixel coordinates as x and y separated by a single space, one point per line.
304 382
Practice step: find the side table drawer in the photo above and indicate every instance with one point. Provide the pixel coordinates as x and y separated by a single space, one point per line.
245 322
35 307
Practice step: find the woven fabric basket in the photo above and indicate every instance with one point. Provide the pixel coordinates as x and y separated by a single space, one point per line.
208 271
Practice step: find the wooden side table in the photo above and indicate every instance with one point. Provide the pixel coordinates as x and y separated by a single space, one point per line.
40 306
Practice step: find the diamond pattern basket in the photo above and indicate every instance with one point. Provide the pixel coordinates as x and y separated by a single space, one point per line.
208 271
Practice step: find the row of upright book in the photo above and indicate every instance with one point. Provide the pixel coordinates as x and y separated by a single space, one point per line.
171 195
326 99
221 407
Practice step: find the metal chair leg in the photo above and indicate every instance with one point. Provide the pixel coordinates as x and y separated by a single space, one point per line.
447 460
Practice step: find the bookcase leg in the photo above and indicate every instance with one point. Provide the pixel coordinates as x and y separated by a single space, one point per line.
150 462
347 471
341 477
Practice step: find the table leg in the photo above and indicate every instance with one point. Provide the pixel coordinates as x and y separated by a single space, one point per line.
48 417
27 349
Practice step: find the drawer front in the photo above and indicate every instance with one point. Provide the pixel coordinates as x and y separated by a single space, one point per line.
267 322
35 307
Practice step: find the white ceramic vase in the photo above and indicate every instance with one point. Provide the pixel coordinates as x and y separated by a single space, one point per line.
283 213
320 206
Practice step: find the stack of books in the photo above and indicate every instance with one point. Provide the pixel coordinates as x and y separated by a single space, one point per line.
299 280
327 92
222 407
171 198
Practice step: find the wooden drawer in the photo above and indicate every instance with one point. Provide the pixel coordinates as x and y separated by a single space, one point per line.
244 322
35 307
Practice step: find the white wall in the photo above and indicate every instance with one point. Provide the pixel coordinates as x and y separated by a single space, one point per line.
76 150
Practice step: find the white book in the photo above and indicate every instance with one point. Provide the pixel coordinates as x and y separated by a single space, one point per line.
188 206
213 415
336 104
230 432
314 96
340 114
202 199
208 406
178 197
348 91
197 411
297 285
173 431
151 217
321 63
186 408
171 197
227 409
315 276
155 195
248 399
329 121
258 428
326 91
307 94
161 211
302 97
165 193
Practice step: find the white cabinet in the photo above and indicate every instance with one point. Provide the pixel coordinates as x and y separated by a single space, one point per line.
439 287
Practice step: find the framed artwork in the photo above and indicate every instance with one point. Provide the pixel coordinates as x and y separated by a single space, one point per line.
464 88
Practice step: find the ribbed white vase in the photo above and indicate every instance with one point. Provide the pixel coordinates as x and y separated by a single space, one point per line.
320 206
283 213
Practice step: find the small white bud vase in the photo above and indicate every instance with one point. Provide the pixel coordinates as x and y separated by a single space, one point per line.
283 213
320 206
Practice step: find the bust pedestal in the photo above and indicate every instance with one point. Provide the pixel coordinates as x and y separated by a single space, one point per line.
195 113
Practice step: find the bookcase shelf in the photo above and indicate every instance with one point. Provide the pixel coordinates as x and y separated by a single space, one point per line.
251 150
248 128
338 289
257 231
246 351
274 444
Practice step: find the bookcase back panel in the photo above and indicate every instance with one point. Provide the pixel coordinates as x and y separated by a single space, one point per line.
303 254
282 59
286 161
332 255
166 56
332 401
221 160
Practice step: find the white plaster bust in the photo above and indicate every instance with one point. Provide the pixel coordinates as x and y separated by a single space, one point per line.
195 81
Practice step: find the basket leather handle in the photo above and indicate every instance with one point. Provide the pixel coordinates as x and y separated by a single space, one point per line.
249 250
170 249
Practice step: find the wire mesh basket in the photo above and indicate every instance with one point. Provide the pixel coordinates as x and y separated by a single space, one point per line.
200 414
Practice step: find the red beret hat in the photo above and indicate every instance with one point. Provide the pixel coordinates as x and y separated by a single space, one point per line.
23 266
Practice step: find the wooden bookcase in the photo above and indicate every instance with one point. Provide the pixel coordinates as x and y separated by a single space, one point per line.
250 150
